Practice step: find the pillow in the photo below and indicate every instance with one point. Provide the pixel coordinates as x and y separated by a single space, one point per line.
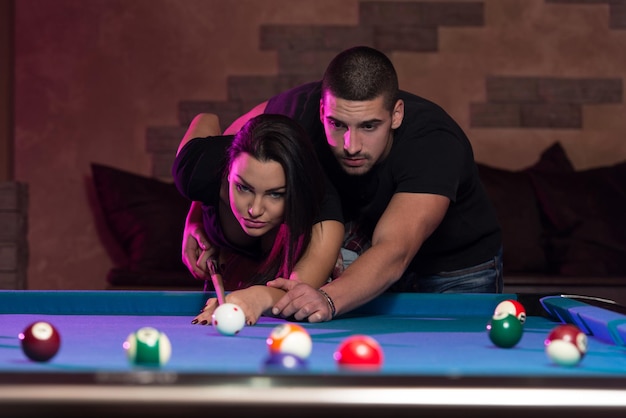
586 211
146 217
517 208
553 158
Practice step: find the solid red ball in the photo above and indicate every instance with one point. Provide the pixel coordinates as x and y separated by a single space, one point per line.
40 341
359 352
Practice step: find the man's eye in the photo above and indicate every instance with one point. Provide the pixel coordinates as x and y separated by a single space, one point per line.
337 124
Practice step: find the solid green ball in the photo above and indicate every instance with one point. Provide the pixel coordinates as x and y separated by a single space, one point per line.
505 330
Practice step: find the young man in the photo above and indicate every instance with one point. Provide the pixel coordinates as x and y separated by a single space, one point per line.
408 183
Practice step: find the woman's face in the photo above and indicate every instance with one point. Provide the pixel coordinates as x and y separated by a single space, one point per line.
257 194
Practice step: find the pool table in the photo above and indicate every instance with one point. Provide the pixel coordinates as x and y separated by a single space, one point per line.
438 360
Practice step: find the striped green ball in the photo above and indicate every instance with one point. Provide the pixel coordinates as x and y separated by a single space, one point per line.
148 347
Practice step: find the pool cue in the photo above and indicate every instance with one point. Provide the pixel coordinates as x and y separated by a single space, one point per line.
216 278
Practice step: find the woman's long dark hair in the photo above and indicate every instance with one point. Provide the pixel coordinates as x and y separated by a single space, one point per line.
279 138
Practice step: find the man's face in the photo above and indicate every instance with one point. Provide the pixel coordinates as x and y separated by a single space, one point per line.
360 133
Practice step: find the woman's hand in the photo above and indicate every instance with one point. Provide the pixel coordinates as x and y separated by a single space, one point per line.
196 249
254 301
206 314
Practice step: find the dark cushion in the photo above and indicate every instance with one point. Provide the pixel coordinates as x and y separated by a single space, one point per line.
518 211
587 215
146 217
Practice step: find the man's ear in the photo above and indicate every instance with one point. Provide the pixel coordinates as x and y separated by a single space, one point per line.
397 115
322 110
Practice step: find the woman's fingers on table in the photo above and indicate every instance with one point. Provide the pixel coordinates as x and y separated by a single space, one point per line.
249 300
206 313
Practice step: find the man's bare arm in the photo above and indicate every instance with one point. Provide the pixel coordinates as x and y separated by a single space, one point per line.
410 218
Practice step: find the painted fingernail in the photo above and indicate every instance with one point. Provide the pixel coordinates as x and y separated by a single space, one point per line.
204 322
195 321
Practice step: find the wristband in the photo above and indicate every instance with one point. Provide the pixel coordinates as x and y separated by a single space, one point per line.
330 303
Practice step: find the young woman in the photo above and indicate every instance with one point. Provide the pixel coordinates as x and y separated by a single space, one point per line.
264 197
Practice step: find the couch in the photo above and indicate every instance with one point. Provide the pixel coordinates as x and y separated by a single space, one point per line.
564 230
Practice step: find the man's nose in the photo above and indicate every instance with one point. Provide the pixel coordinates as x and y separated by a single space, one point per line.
351 142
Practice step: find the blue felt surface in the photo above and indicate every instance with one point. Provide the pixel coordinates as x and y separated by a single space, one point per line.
442 335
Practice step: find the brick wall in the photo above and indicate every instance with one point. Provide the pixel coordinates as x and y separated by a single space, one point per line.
117 82
13 235
617 10
527 102
540 102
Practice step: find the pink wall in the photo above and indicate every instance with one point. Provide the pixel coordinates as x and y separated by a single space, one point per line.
93 76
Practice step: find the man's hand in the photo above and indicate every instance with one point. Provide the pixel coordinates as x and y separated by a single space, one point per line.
197 250
301 301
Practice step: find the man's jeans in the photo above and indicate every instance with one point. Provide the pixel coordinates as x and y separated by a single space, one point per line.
482 278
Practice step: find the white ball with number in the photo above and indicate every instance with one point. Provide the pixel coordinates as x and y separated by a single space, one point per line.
148 346
290 338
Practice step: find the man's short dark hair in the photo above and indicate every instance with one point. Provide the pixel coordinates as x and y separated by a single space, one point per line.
362 73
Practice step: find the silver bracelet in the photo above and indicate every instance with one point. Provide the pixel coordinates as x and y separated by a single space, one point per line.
330 303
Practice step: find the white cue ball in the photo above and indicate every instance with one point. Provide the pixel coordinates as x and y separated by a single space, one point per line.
228 319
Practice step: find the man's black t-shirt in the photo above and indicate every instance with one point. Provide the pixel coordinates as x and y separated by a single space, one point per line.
430 154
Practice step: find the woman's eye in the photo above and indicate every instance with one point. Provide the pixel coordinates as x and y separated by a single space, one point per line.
241 188
277 195
336 124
